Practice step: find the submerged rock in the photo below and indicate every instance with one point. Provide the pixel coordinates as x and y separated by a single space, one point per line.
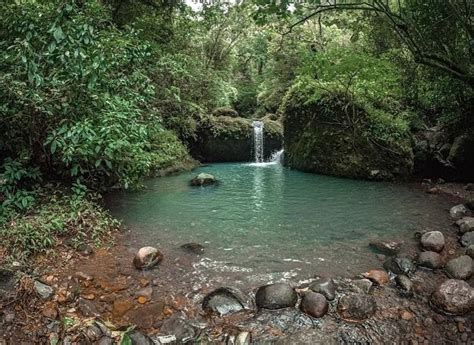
430 260
138 338
467 239
400 265
387 247
324 286
42 290
314 304
460 268
224 301
356 307
147 257
458 211
454 296
276 296
433 241
193 248
405 284
379 277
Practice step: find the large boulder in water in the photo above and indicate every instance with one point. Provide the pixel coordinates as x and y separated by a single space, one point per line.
454 296
276 296
203 179
320 136
356 307
147 257
230 139
224 301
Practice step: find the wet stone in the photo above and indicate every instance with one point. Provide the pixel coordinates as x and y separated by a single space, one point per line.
454 296
379 277
314 304
460 268
466 224
467 239
147 257
430 260
193 248
405 284
387 247
325 286
356 307
363 285
203 179
400 265
433 241
139 338
470 251
458 211
224 301
276 296
177 327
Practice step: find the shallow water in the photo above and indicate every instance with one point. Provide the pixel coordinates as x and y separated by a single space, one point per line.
264 222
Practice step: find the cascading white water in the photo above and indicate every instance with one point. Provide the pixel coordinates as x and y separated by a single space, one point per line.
276 157
258 141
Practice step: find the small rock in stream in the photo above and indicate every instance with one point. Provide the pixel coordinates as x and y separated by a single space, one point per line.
405 284
433 241
387 247
454 296
224 301
147 257
203 179
325 286
460 268
276 296
139 338
400 265
458 211
430 260
314 304
356 307
193 248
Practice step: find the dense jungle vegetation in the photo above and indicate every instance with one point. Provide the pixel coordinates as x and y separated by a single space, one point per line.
99 94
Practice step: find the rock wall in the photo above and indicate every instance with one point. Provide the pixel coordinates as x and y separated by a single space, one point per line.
229 139
330 134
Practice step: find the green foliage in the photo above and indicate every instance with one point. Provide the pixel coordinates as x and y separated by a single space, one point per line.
76 93
56 218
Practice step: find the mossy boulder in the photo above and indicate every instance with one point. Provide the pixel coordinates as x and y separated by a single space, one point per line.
335 134
225 111
229 139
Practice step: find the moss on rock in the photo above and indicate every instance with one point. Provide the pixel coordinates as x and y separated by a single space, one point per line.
229 139
334 134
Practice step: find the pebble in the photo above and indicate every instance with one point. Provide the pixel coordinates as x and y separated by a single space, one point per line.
406 315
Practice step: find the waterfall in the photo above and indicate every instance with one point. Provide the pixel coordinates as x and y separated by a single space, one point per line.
276 157
258 141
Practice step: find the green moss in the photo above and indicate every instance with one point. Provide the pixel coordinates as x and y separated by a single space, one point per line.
334 133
